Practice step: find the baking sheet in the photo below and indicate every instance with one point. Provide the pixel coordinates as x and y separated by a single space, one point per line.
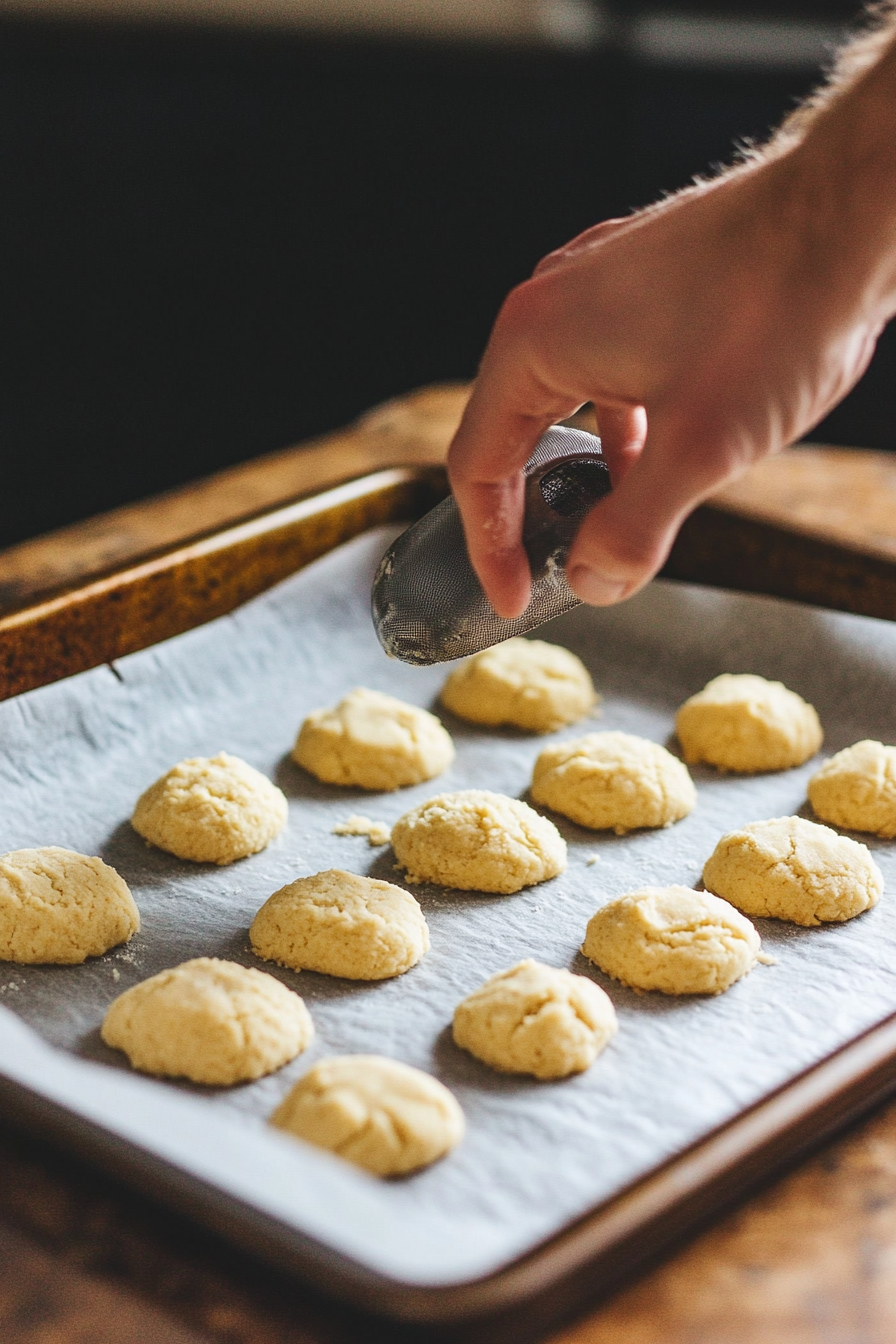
74 757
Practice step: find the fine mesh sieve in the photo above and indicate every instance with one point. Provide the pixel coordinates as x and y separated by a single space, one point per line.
428 605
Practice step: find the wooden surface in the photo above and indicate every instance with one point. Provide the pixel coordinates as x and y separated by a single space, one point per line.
810 1261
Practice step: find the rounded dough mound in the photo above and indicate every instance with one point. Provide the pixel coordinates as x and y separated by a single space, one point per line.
341 924
788 868
857 789
59 906
211 810
478 841
210 1021
379 1114
747 724
613 781
672 939
535 1019
373 741
523 682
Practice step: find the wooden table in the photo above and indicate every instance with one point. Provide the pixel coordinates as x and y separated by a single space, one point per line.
811 1260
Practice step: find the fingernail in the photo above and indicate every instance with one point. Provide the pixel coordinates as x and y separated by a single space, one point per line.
593 587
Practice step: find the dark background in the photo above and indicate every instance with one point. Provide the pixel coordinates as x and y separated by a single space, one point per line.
213 244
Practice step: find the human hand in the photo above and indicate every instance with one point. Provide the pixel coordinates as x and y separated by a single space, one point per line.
709 331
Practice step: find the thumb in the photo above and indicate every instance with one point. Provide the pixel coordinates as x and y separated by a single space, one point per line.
626 537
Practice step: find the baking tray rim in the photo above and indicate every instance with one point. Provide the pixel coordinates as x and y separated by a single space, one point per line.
611 1240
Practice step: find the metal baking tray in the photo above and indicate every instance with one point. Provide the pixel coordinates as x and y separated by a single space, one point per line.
558 1188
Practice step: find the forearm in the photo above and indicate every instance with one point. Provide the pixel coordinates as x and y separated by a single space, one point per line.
840 150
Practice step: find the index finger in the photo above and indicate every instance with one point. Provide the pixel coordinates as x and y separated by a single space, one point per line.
504 419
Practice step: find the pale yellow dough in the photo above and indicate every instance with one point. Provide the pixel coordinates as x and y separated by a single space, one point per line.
536 1019
384 1116
59 906
210 1021
788 868
478 841
211 810
526 683
373 741
613 781
747 724
672 939
377 832
857 789
341 924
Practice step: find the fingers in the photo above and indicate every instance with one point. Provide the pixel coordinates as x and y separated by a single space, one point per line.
626 538
622 430
508 412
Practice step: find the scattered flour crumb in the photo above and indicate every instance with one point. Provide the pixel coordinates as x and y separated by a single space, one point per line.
376 831
595 858
116 973
11 986
766 959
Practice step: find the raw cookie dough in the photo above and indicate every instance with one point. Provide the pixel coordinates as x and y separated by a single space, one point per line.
523 682
375 1112
377 832
857 789
211 810
788 868
613 781
747 724
535 1019
210 1021
341 924
373 741
478 841
672 939
59 906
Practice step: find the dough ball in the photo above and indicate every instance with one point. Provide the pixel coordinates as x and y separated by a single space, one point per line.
211 810
375 1112
788 868
373 741
59 906
535 1019
341 924
747 724
210 1021
478 841
857 789
672 939
523 682
613 781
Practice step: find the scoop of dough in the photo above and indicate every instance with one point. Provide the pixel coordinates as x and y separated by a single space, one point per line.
341 924
747 724
59 906
373 741
478 841
535 1019
379 1114
857 789
210 1021
613 781
788 868
523 682
211 810
672 939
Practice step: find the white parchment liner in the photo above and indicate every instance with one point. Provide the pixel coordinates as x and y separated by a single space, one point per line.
75 756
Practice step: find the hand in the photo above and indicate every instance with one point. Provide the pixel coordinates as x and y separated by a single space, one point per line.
708 331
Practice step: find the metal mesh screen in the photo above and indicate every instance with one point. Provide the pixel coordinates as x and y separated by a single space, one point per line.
428 605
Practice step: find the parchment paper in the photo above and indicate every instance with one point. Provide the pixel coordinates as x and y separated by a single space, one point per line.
75 756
